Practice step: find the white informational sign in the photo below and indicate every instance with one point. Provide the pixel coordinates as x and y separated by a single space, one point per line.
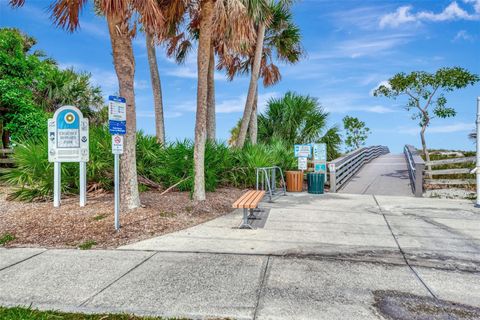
320 152
302 163
117 109
68 142
117 144
303 150
68 136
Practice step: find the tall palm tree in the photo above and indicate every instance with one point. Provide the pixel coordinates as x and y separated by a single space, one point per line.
281 38
156 88
217 25
119 15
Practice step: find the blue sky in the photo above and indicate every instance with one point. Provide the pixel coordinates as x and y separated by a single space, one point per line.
352 46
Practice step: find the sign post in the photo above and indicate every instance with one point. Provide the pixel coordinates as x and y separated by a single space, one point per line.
117 122
68 142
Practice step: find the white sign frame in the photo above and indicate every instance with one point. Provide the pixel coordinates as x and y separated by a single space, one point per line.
69 124
58 149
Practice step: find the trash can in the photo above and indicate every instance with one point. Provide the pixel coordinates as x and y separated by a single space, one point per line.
294 181
316 183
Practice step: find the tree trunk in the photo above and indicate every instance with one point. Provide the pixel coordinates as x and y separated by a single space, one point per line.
425 150
247 112
211 97
124 63
203 58
253 126
156 88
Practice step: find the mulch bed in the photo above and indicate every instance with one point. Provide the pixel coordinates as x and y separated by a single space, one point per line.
39 224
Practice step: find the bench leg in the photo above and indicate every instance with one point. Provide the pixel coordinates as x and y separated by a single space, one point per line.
252 216
245 224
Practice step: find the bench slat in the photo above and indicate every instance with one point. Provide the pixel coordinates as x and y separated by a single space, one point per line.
242 199
258 197
249 200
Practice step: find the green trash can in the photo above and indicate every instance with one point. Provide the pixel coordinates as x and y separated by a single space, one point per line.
316 183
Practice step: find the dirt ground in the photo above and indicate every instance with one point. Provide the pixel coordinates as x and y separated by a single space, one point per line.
39 224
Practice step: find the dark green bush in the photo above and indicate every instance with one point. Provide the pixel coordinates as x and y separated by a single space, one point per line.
32 176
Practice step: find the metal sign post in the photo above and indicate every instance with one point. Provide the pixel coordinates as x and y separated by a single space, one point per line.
68 142
477 169
117 123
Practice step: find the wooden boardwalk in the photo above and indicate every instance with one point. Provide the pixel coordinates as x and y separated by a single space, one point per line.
385 175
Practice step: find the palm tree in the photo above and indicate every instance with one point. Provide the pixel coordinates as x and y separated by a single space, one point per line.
218 25
281 38
298 119
156 88
119 13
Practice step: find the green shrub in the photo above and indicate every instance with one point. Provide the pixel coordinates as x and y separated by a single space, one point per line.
32 176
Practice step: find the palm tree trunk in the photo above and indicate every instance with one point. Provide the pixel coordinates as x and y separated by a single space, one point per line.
156 88
253 125
124 63
211 97
203 59
247 112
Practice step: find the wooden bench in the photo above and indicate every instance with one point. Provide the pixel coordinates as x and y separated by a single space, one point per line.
248 202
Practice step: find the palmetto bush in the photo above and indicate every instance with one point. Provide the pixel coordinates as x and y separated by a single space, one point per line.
32 176
277 153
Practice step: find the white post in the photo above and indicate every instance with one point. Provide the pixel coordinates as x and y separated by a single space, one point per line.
477 204
57 183
83 183
117 191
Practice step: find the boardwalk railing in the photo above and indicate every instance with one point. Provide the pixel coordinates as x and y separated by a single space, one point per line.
344 168
416 166
451 172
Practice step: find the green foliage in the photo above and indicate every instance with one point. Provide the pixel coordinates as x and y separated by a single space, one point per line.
87 245
356 132
421 88
298 119
6 238
21 313
277 153
31 86
32 176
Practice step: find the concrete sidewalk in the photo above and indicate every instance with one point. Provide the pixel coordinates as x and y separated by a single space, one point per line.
316 257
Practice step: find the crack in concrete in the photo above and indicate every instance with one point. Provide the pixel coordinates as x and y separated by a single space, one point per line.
446 228
408 264
261 289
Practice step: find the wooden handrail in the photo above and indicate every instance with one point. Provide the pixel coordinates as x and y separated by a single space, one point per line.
344 168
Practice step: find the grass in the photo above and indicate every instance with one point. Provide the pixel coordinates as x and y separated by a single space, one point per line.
87 245
19 313
99 217
6 238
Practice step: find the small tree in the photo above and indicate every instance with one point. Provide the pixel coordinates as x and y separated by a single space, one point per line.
356 131
425 92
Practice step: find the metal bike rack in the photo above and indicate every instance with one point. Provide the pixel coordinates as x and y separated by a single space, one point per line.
267 180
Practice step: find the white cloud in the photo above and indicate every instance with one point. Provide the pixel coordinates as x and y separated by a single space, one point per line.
463 35
448 128
476 4
401 16
378 109
237 104
453 11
